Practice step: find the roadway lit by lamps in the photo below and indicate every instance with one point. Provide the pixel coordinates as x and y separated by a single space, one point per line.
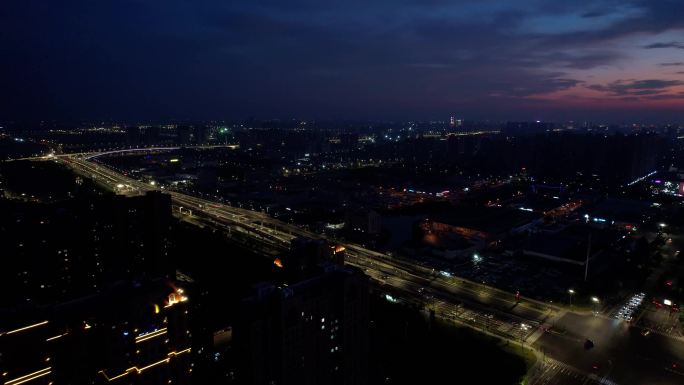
281 232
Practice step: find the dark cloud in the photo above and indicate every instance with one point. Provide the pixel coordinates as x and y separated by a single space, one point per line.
541 86
590 60
676 96
648 16
672 44
592 14
318 58
672 64
636 87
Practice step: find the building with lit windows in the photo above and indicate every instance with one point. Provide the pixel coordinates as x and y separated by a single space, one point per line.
65 250
314 331
135 333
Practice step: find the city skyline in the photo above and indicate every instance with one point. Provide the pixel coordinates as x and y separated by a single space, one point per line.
308 192
251 254
603 60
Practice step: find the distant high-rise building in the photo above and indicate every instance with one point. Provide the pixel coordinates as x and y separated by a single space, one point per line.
643 155
201 134
363 220
151 135
349 140
184 134
133 136
453 122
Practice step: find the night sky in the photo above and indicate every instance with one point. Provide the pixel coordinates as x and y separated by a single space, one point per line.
608 60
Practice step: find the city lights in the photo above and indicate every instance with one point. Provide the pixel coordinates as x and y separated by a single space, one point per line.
347 190
19 330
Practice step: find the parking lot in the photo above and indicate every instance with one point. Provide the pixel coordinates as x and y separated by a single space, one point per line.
629 309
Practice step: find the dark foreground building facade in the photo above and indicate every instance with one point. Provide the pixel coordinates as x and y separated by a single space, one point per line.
131 334
312 332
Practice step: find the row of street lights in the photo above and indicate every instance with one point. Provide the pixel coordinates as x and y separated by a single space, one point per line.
594 300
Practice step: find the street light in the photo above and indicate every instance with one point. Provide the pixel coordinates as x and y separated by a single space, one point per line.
523 329
596 301
571 292
476 258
